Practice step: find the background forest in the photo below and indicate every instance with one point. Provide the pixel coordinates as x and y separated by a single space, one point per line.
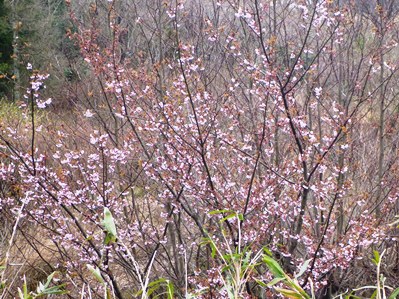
199 149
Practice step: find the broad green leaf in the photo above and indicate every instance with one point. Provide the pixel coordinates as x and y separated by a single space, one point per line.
152 290
289 293
267 251
236 256
55 290
49 279
96 273
394 294
208 241
274 267
228 217
213 249
25 288
225 268
156 285
229 290
303 268
157 282
376 258
247 259
275 281
23 294
227 257
109 239
295 285
138 293
261 283
109 227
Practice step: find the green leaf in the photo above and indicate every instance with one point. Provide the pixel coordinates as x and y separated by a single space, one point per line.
267 251
289 293
55 290
215 212
275 281
49 279
376 258
108 293
261 283
303 268
246 261
20 294
234 215
361 41
209 241
155 285
109 227
295 285
213 249
157 282
23 294
274 267
352 296
109 239
96 273
25 288
138 293
170 288
152 290
394 294
227 257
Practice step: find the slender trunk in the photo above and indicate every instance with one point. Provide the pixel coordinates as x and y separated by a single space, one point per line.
318 217
381 114
380 138
16 56
341 210
277 117
341 156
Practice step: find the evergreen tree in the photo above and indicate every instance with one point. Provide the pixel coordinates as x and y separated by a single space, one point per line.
6 51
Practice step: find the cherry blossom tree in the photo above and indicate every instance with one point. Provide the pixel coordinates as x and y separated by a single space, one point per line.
260 109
